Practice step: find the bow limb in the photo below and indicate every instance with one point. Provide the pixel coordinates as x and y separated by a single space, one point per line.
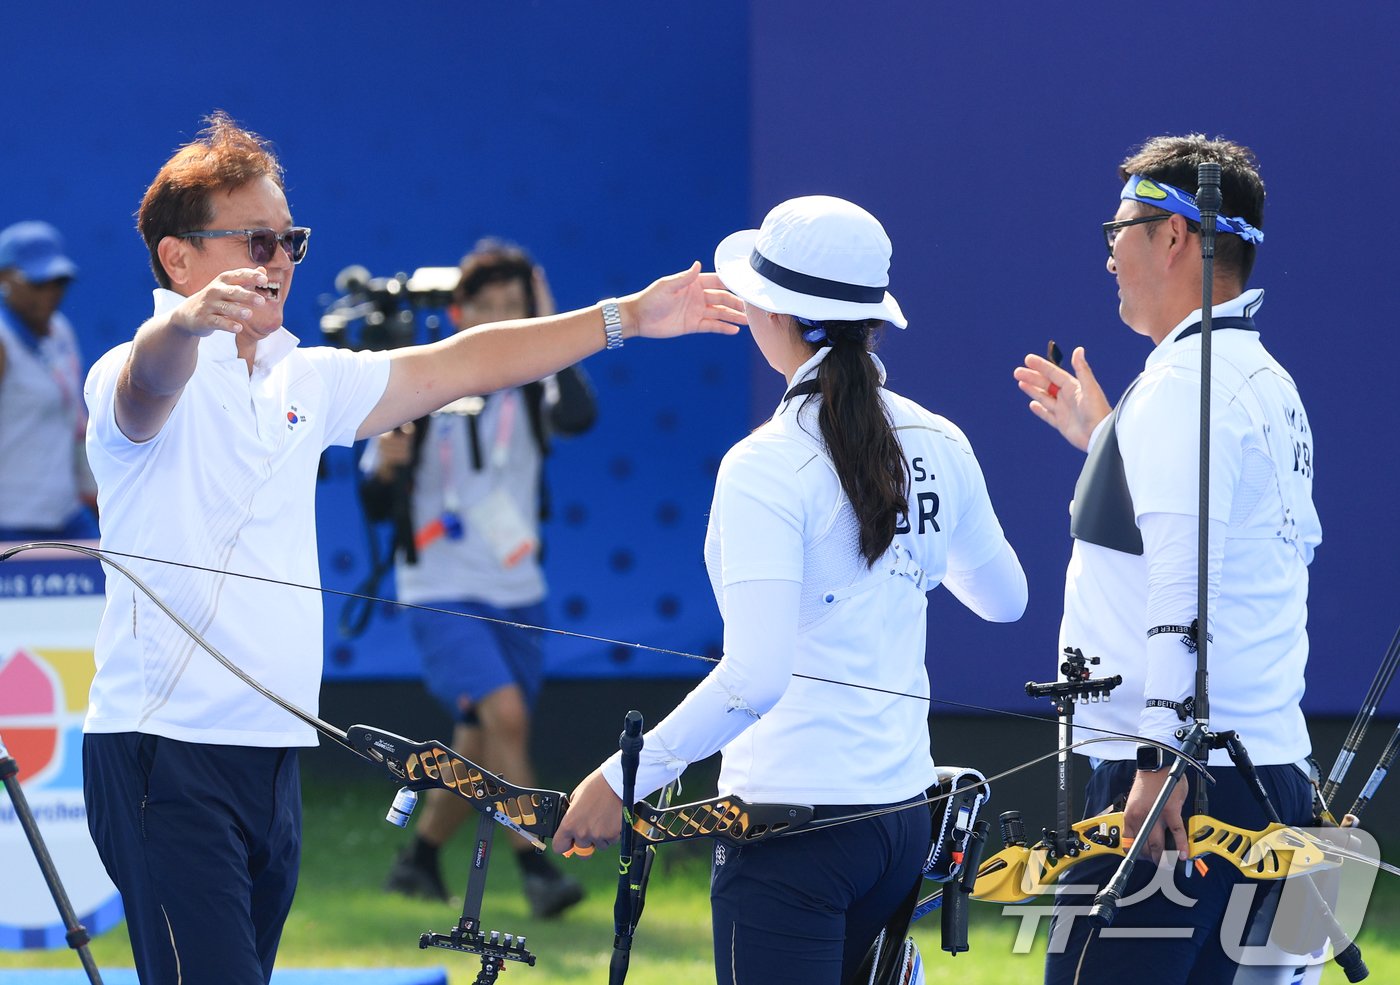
325 728
534 814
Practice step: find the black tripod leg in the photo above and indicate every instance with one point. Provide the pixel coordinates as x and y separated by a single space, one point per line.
77 935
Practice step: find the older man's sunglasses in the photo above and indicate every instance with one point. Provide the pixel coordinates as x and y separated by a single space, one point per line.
262 243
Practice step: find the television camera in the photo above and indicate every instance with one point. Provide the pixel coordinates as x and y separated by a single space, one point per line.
382 312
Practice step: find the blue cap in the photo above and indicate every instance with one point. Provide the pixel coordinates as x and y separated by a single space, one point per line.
35 249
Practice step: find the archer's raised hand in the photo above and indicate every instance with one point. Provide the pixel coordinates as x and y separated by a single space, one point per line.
1071 403
682 303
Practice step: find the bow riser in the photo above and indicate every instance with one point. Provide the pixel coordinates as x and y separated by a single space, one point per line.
531 812
1021 873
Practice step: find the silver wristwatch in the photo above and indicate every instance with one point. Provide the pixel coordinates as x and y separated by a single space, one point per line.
612 323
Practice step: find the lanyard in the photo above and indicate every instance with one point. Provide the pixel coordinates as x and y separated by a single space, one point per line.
449 442
508 405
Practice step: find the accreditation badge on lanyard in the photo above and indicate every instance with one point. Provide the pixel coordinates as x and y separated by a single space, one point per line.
509 535
447 426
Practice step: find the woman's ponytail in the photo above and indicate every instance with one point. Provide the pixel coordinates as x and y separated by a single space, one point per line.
859 434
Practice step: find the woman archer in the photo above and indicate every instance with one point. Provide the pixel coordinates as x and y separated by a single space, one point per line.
829 525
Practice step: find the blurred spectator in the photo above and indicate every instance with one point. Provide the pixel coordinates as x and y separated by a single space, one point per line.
44 478
465 488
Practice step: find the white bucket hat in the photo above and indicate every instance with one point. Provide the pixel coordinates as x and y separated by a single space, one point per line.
817 257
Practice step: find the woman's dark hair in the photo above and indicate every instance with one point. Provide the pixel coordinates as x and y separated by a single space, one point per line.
859 434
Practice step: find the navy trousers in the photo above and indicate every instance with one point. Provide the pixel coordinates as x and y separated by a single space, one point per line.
805 908
203 841
1166 942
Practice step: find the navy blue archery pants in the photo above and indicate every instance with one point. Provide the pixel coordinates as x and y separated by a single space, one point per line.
203 842
1156 940
806 907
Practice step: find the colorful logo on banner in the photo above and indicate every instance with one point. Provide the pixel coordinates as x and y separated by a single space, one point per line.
31 715
49 611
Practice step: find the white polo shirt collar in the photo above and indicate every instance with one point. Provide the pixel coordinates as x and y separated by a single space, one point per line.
1241 306
223 346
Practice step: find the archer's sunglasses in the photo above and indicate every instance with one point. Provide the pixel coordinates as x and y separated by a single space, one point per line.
262 242
1110 229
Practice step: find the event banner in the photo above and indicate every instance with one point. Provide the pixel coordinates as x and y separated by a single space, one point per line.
50 604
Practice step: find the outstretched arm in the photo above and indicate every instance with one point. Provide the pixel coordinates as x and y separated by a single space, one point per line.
492 357
166 349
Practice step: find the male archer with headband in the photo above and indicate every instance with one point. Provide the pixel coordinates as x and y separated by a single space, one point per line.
1131 592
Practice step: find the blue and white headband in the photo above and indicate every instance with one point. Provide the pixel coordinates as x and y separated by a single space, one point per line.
1164 196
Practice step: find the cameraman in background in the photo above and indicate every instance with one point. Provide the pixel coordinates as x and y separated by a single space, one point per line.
464 487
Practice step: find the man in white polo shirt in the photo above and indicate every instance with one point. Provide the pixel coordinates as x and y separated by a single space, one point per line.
204 433
1130 592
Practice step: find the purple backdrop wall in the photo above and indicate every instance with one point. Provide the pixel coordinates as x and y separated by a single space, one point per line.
985 137
622 140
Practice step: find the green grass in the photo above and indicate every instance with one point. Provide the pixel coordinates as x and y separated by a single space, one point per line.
341 917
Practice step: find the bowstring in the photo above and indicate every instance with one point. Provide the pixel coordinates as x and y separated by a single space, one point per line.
938 798
99 552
